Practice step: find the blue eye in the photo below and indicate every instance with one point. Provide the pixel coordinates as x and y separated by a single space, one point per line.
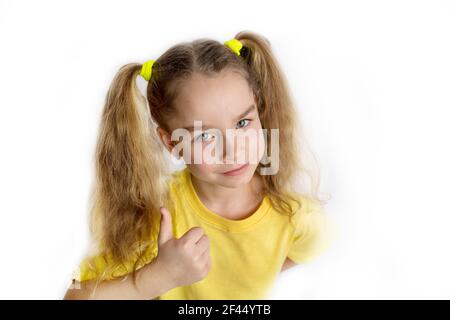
240 121
201 137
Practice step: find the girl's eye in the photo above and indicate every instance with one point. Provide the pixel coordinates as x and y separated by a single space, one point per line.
240 125
204 136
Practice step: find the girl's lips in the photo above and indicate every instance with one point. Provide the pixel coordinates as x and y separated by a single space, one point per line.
236 171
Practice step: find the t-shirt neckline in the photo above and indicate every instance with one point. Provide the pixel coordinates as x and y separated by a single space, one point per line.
221 222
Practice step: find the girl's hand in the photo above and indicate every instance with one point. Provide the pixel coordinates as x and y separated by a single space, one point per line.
186 260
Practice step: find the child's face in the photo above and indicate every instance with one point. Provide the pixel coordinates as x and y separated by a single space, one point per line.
222 103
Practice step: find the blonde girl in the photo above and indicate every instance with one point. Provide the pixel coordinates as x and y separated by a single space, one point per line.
212 230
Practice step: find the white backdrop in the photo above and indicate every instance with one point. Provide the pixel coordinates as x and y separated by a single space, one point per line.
371 80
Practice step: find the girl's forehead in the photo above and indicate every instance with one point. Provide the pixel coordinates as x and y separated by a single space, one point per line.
214 100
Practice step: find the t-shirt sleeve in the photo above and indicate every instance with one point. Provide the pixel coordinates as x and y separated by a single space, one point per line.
105 267
100 265
313 234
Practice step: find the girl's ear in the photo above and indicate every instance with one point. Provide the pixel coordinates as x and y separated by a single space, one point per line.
166 140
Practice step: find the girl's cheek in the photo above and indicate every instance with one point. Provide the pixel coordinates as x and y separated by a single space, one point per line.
252 144
255 147
193 152
261 143
261 146
201 169
202 157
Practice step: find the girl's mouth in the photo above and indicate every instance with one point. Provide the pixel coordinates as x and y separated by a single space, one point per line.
236 171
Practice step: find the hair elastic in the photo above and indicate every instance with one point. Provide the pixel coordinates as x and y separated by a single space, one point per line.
235 45
146 71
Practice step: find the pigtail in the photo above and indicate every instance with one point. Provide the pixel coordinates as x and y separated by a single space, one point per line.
130 172
277 111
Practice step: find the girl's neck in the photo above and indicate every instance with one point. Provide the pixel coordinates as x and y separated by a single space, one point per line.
231 203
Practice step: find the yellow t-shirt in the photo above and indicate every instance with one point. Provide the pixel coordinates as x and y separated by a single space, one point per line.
247 254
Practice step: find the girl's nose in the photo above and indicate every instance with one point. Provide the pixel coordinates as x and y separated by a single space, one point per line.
230 149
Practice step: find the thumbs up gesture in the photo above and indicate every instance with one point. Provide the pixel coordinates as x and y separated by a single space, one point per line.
186 260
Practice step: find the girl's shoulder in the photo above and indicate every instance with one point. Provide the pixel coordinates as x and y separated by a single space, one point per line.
177 188
312 218
304 204
308 211
178 178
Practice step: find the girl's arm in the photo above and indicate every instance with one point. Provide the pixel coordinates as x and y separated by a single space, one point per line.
179 262
288 263
151 281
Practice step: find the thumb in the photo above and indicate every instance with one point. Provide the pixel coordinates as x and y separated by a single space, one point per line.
165 231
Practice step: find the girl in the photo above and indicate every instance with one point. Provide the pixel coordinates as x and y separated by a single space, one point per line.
212 230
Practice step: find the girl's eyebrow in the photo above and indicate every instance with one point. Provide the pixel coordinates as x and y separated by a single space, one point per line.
246 112
191 128
243 114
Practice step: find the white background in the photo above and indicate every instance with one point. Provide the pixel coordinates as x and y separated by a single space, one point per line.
371 80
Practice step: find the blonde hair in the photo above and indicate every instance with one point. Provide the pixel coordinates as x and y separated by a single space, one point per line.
131 171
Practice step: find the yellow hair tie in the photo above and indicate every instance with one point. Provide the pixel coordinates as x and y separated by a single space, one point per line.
235 45
146 70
